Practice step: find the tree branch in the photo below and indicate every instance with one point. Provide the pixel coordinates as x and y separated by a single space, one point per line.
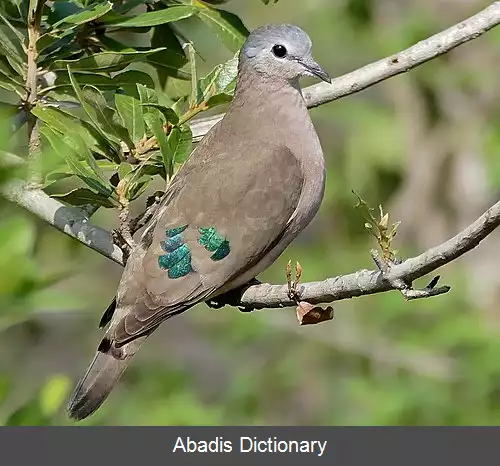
34 21
76 224
401 62
367 282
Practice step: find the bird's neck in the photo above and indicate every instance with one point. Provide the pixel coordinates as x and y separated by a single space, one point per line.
253 87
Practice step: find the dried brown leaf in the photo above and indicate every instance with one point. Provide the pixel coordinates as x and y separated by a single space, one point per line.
308 314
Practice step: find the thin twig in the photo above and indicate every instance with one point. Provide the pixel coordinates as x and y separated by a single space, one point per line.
34 22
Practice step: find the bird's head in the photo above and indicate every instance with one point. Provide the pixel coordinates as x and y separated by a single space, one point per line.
281 51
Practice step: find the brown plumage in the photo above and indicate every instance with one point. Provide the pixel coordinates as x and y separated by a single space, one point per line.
256 179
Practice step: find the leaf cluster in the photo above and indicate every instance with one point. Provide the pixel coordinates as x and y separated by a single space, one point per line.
105 115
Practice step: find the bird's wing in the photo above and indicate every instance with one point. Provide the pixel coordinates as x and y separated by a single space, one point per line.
222 216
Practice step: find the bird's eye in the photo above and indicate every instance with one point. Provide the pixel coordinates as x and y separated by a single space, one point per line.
279 51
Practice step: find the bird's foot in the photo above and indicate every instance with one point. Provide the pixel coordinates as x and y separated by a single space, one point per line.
293 292
152 204
232 298
122 243
405 287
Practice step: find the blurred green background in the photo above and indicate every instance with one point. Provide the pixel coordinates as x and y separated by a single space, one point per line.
425 144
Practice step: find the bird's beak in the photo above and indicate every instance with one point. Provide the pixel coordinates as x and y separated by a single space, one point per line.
316 70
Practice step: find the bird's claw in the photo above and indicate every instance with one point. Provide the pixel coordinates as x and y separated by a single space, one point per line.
122 243
232 298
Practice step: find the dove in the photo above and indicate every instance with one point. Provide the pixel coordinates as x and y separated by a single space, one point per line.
251 185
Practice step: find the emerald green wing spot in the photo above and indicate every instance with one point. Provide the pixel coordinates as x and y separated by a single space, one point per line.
181 268
214 242
177 257
222 251
175 231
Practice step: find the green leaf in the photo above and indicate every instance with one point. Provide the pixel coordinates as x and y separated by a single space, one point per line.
13 51
168 113
154 18
84 16
147 96
114 45
107 117
67 152
130 112
10 84
170 63
104 61
99 113
129 5
153 118
180 140
103 81
54 40
16 237
137 188
218 86
228 27
62 172
66 123
54 177
218 99
14 30
54 394
84 196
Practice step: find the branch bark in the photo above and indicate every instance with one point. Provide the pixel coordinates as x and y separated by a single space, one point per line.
75 223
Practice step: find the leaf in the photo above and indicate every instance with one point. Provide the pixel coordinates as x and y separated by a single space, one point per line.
10 84
218 99
168 113
84 196
153 119
54 394
147 96
129 5
130 112
107 117
228 27
114 45
221 80
14 30
104 61
136 188
170 63
154 18
67 153
63 172
103 81
84 16
308 314
99 113
66 123
180 141
11 50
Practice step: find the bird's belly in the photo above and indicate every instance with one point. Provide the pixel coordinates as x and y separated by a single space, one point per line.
310 201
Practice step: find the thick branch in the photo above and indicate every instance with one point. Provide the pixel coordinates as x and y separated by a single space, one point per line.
69 220
76 224
367 282
388 67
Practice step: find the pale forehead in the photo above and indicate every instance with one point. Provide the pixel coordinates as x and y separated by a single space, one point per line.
284 34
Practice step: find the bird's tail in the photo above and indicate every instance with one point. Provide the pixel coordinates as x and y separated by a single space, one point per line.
94 387
101 376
